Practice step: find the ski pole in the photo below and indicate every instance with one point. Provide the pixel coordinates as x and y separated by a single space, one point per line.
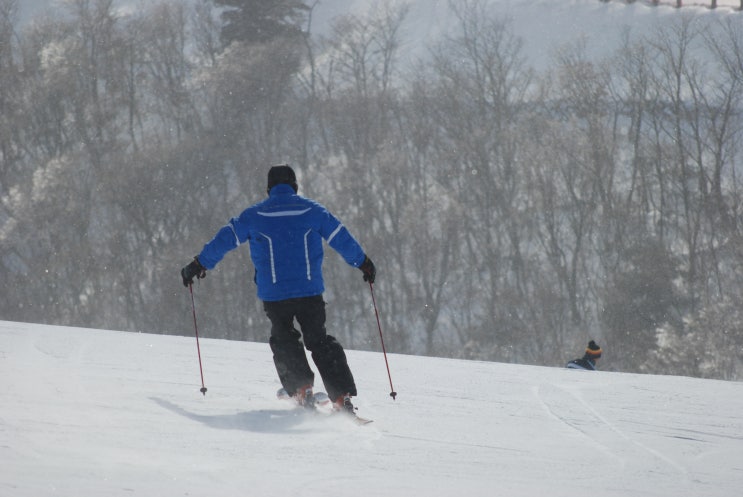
196 330
393 394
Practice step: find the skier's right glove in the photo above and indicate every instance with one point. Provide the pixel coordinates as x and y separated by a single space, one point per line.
193 268
367 267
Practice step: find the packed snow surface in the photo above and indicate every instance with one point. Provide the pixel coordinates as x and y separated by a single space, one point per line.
104 413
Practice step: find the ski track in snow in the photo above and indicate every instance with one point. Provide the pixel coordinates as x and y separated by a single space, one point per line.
570 408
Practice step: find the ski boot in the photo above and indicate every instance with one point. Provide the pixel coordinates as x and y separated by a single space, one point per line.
343 404
304 397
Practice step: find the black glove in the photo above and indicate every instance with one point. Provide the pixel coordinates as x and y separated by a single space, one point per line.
367 267
194 268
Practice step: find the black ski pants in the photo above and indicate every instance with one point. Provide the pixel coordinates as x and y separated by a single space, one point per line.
288 353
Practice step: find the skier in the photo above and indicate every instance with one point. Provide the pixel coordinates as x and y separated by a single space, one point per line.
285 233
588 361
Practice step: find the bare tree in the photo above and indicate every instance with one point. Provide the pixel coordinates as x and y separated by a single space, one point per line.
357 115
11 106
675 69
482 83
165 69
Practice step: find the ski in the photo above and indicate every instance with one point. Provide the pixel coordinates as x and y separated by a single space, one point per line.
352 416
361 421
321 399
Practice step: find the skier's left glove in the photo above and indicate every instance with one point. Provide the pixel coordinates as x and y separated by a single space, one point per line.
193 268
367 267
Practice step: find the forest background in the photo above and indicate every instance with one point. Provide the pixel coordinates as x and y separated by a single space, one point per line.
513 212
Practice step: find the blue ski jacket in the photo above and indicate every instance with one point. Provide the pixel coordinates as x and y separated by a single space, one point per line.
285 232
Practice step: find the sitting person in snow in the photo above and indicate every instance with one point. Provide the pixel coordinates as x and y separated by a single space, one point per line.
588 361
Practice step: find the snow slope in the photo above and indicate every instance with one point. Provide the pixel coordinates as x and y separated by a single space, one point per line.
104 413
